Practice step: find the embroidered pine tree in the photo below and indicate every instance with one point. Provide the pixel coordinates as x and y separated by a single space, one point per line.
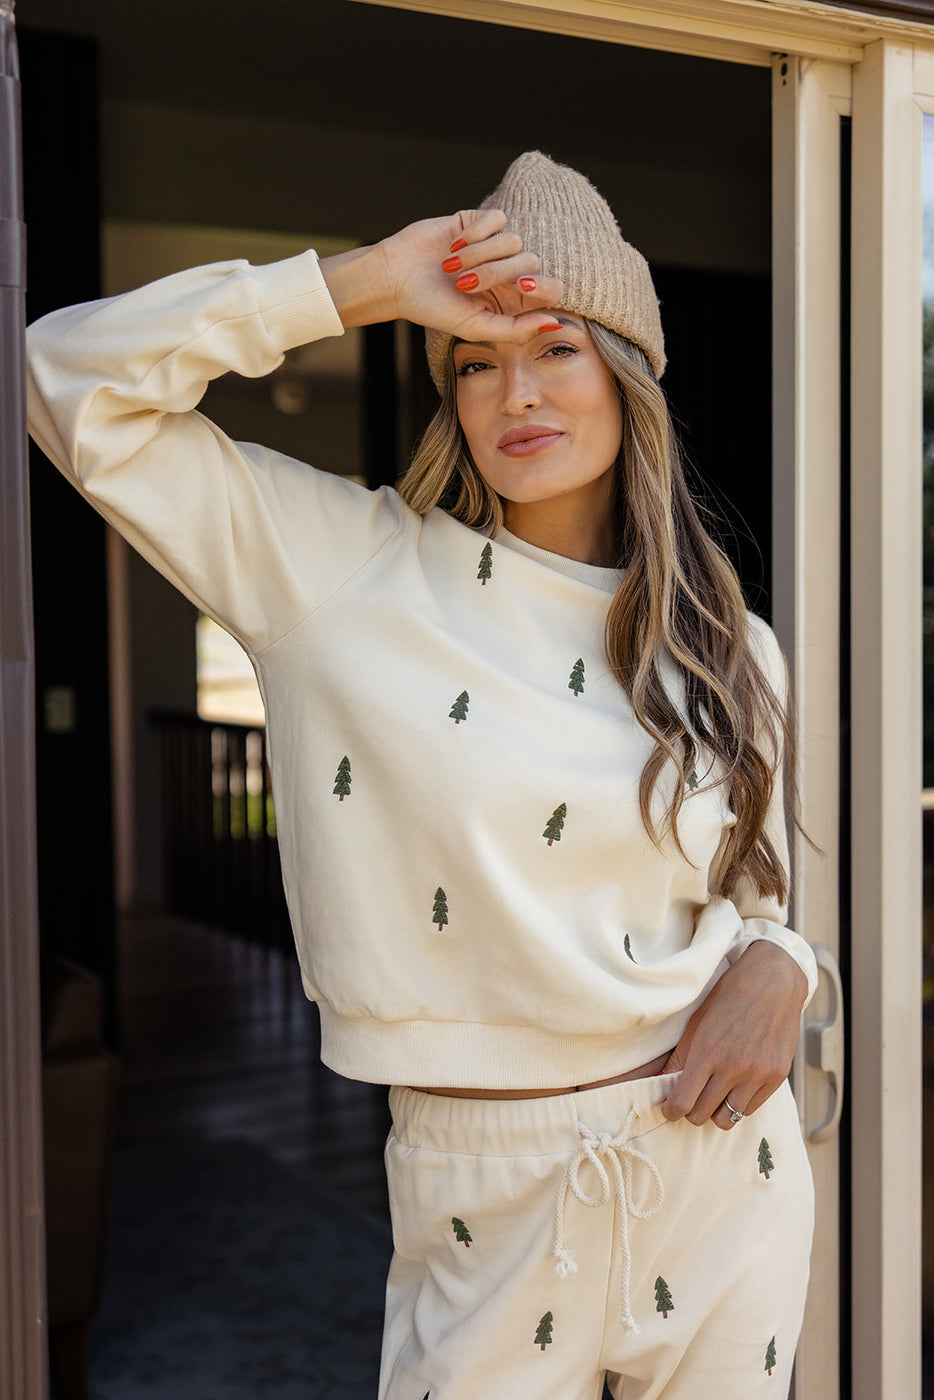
576 683
461 1233
460 707
663 1303
543 1334
770 1360
692 779
556 823
766 1164
343 779
440 911
628 947
486 564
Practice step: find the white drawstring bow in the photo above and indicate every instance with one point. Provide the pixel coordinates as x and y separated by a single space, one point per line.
621 1156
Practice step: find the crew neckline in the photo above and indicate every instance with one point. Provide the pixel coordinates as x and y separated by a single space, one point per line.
594 574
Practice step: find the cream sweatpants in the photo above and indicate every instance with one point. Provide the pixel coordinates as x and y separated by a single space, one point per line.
542 1245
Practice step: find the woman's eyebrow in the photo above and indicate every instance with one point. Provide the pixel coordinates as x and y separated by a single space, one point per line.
488 344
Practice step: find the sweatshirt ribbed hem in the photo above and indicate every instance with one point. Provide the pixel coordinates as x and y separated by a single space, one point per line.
433 1054
294 301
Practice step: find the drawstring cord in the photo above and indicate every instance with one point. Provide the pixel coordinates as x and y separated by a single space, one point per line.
621 1156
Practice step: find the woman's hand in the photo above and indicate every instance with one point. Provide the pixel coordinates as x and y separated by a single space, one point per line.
463 274
741 1040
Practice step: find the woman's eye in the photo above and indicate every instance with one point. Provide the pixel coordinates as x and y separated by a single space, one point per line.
560 350
470 367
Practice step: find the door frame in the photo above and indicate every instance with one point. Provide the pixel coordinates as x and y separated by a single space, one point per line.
22 1233
808 100
893 86
737 31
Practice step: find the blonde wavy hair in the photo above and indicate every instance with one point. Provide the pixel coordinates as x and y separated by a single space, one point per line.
679 602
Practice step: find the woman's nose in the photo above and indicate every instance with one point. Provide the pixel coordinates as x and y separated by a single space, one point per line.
520 388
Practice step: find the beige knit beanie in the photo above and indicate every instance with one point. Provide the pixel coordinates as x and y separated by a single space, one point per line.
561 217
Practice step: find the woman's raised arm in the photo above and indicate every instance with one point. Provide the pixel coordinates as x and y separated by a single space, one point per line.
113 388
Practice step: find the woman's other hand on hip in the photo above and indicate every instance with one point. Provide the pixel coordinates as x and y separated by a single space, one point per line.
740 1042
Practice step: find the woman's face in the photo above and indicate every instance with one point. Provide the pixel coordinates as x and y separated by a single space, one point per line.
542 420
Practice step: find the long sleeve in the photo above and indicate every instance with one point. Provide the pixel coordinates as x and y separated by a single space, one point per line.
254 538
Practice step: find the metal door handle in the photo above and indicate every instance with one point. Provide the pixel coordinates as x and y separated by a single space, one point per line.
824 1044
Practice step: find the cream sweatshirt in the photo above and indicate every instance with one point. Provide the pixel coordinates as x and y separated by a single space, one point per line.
474 899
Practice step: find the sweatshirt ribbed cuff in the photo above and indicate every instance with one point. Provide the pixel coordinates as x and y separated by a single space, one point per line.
294 301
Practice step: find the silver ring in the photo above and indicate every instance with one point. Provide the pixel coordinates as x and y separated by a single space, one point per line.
735 1114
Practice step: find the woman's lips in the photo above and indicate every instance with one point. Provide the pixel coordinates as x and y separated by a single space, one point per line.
520 442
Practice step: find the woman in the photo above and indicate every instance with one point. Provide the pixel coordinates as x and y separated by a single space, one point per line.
528 800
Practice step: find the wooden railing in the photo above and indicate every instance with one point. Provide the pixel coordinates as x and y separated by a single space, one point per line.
219 828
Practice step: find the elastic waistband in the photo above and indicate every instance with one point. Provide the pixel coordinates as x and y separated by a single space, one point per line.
525 1127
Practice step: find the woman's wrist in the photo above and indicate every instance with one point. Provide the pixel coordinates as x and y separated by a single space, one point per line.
357 284
780 965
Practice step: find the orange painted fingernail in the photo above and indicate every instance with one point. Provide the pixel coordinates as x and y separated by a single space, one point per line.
451 265
542 329
467 282
458 245
528 284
